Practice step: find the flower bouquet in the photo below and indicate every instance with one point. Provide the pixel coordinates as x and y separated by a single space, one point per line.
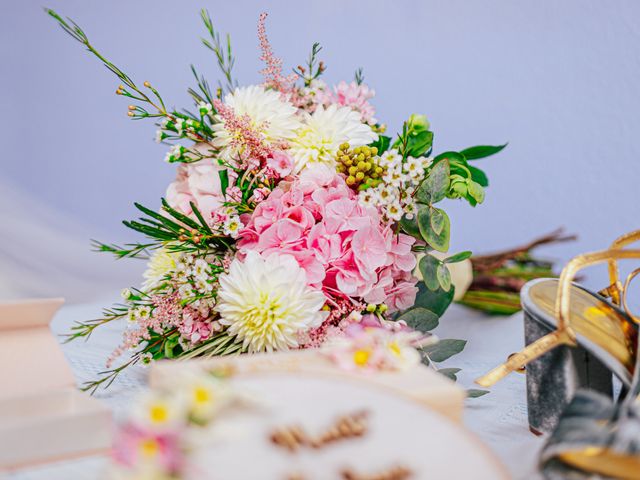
292 216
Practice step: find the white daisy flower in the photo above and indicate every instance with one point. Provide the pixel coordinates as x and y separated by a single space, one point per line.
387 194
413 167
318 140
185 291
394 210
144 311
159 413
266 302
232 226
394 176
367 197
390 158
274 118
426 162
201 269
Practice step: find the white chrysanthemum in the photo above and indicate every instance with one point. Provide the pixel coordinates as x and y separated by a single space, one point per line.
161 263
323 132
266 302
274 118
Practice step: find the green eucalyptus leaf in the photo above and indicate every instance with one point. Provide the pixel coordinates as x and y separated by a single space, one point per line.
437 220
436 301
449 373
444 277
420 319
429 269
437 182
475 393
444 349
438 241
410 227
458 257
481 151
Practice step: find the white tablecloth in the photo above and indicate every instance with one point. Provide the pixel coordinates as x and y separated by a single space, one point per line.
499 418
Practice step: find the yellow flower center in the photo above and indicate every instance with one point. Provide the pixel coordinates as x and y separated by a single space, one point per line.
395 348
158 413
201 395
361 357
149 447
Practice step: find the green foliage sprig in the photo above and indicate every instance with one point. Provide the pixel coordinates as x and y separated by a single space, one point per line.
223 53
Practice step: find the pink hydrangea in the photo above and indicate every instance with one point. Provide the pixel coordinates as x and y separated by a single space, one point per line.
344 247
354 96
199 182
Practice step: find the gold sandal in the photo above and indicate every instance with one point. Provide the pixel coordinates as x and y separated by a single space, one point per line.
574 338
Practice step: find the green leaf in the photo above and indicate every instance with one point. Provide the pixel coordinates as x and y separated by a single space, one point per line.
382 144
478 176
476 191
481 151
438 241
224 180
475 393
449 373
197 213
170 345
429 269
436 301
179 216
458 257
444 277
410 227
444 349
437 220
435 187
420 319
450 155
419 143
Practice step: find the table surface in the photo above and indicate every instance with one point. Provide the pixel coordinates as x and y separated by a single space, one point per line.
499 418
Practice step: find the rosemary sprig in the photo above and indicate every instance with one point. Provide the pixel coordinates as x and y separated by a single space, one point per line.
224 55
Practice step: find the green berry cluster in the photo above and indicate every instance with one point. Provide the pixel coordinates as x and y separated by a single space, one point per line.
360 165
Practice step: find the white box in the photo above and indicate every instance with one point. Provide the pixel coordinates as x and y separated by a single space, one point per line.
42 415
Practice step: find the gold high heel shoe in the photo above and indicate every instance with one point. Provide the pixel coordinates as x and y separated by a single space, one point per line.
576 341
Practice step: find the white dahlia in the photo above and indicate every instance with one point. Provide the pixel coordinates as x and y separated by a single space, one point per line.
162 262
266 302
272 117
323 131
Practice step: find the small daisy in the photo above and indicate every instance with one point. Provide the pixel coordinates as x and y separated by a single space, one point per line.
367 197
143 312
201 269
387 194
232 226
394 211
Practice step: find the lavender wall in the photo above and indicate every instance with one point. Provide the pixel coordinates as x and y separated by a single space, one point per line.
558 80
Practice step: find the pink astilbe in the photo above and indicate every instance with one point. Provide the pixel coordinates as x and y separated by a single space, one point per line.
244 136
273 71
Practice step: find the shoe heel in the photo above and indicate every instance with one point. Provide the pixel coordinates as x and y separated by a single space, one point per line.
554 378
